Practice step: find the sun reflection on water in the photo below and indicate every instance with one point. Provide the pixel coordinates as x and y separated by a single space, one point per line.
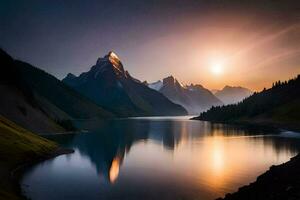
196 160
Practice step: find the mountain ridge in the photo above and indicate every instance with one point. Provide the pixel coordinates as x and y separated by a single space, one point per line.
109 85
38 101
194 97
232 94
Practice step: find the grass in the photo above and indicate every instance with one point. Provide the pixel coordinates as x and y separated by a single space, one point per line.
18 146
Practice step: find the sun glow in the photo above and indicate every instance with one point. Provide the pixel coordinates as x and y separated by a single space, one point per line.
217 68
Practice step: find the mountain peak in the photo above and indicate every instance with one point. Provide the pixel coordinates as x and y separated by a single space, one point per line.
194 97
195 86
233 94
112 60
113 57
70 75
156 85
227 87
109 85
170 80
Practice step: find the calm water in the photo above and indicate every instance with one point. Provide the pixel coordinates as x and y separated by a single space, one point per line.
157 158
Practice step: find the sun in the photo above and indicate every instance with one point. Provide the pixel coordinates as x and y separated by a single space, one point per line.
217 68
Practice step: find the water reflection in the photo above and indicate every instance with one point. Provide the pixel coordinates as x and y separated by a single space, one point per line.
175 159
107 145
115 168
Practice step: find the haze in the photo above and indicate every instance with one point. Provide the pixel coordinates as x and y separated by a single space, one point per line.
255 42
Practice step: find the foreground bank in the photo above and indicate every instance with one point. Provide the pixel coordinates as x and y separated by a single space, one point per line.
279 182
20 148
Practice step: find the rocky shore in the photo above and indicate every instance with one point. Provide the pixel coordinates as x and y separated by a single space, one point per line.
280 182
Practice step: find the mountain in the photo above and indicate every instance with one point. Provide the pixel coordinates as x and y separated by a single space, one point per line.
278 106
214 91
113 88
38 101
231 95
194 98
156 85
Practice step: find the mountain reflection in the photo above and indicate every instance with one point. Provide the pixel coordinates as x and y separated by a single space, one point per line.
115 168
107 143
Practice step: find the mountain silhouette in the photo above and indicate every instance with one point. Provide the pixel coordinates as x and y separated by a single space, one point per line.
194 98
110 86
38 101
231 95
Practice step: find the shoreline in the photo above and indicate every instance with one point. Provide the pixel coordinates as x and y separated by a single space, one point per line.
16 174
277 183
265 124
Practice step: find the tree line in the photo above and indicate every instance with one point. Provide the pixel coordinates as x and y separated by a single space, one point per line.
281 92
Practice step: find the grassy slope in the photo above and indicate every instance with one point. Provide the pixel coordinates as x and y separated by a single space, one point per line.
58 94
40 102
15 106
18 146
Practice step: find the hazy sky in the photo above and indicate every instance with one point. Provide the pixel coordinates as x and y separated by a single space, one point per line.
214 43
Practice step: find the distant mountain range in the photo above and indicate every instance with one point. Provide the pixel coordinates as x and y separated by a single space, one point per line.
111 87
231 95
194 98
277 106
38 101
41 103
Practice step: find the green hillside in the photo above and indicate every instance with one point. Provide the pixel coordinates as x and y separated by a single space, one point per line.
277 106
40 102
18 146
59 94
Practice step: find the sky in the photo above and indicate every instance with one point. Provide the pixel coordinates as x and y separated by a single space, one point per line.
209 42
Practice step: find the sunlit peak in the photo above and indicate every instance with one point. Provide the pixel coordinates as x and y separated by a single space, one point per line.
115 61
112 54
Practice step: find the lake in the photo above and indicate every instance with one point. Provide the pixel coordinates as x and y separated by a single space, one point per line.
157 158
